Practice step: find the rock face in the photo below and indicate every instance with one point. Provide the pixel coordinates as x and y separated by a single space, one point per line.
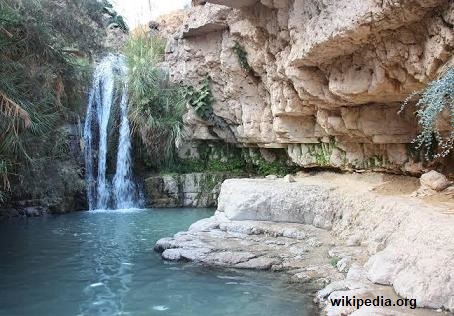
50 185
275 201
168 24
324 80
184 190
379 240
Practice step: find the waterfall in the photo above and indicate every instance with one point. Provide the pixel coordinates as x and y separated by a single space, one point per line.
109 86
123 184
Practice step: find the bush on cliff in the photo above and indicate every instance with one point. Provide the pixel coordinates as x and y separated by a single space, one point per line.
436 100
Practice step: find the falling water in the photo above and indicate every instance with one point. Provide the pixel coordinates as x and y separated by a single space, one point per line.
123 184
109 83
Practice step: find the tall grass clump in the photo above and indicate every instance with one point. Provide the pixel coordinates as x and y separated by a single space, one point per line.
436 99
156 106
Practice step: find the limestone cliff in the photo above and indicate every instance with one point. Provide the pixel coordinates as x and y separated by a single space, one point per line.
323 80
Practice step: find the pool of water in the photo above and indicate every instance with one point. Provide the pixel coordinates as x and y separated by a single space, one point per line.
103 263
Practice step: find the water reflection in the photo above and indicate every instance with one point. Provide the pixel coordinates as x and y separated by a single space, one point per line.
112 265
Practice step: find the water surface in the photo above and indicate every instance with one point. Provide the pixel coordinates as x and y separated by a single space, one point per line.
102 263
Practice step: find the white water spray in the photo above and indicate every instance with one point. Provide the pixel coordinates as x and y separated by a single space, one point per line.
109 85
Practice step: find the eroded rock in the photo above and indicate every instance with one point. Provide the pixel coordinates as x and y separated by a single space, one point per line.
331 222
324 80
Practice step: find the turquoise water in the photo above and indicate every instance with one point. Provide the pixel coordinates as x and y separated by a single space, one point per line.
103 263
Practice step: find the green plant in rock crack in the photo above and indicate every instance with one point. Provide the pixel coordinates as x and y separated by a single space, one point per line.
242 57
201 100
334 260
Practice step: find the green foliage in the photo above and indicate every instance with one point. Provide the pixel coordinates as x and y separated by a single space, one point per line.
437 98
114 18
212 158
279 167
375 162
259 166
61 145
201 100
242 57
44 51
322 153
156 106
334 261
230 159
4 181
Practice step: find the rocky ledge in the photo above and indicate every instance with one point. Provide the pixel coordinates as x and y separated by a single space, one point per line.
321 80
184 190
340 234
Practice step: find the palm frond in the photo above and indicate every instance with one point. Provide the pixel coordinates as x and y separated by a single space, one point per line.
11 109
42 83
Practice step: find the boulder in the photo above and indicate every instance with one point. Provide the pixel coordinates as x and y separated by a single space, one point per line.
434 181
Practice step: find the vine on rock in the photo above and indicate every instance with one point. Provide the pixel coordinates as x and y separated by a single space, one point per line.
436 101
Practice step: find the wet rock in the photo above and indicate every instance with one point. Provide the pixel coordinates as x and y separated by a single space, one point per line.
229 258
206 224
9 213
261 263
33 211
163 244
321 275
248 245
171 254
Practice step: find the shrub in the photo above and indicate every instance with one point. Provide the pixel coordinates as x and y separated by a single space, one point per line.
156 106
436 98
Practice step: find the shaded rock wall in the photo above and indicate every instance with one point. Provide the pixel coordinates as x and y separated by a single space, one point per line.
184 190
325 80
54 181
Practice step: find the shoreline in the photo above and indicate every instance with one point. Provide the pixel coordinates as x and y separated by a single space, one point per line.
335 233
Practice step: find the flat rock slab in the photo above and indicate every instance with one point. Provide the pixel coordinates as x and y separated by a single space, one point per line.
320 227
252 245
